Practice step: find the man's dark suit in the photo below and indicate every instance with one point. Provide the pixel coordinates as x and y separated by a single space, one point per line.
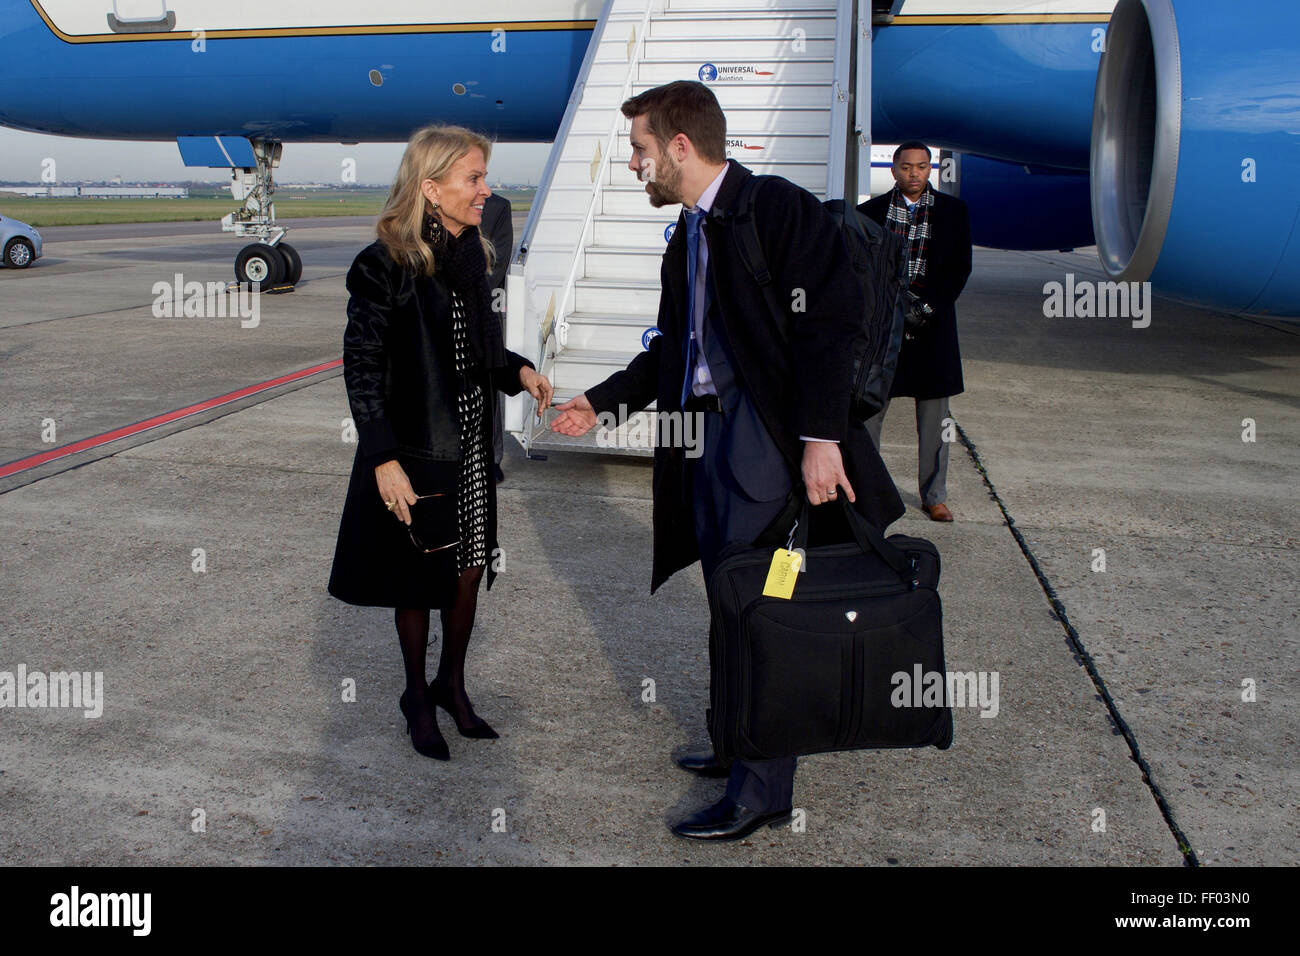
499 229
777 378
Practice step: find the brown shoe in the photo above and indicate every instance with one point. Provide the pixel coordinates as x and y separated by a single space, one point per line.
938 512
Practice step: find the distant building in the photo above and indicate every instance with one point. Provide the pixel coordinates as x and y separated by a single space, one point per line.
100 192
134 192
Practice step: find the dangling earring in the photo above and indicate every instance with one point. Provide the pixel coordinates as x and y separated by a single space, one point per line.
434 232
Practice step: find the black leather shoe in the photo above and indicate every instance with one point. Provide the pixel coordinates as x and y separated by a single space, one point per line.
435 745
728 820
705 763
477 729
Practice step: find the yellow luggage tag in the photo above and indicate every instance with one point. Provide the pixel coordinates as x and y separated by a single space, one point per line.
784 572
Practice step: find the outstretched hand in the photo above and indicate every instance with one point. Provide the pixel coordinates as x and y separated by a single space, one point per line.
576 417
537 386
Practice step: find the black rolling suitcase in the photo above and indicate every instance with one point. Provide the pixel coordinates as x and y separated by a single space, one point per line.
821 671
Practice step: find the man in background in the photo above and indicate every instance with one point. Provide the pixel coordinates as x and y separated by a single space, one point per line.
499 229
937 230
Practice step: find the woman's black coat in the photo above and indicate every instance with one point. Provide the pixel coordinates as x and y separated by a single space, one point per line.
929 365
403 389
399 365
796 369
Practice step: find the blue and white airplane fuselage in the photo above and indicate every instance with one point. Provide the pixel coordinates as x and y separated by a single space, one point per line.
1010 83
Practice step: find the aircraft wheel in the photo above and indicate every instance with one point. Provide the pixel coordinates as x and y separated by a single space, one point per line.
259 263
292 262
19 253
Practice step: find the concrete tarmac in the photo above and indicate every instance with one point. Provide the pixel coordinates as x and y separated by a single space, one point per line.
226 737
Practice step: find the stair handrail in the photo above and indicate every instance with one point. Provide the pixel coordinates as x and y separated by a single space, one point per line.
558 322
862 99
842 118
520 252
598 182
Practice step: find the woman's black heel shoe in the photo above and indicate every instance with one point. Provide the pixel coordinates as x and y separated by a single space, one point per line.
436 746
479 729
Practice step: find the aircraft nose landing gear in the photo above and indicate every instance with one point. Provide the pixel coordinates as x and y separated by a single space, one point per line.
271 263
268 262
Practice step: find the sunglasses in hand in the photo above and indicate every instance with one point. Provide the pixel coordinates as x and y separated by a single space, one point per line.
426 522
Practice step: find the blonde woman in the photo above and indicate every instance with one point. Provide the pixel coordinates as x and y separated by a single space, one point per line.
421 355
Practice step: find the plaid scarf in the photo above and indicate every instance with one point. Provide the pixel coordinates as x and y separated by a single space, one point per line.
915 226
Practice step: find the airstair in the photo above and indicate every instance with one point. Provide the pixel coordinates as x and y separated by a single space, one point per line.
792 77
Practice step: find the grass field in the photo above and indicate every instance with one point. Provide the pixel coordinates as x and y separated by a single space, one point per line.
204 206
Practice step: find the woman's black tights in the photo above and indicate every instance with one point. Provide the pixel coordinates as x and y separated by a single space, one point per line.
413 635
457 623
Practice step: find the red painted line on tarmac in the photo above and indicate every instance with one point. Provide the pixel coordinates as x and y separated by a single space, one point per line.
126 431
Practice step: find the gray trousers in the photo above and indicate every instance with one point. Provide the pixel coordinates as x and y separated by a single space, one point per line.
932 450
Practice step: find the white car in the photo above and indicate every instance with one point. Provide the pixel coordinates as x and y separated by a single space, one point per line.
20 242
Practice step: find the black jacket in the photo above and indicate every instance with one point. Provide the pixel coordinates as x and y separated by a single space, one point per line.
796 370
929 366
498 225
399 362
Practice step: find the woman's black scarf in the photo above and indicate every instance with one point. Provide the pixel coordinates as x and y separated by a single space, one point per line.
463 267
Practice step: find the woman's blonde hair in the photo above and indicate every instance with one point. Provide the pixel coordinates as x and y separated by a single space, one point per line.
430 154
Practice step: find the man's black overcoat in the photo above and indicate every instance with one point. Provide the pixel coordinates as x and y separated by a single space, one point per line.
929 366
796 369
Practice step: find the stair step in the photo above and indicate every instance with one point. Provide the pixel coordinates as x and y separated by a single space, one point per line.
618 296
809 92
769 24
635 230
713 49
765 147
635 263
581 369
651 73
546 441
606 332
631 200
743 121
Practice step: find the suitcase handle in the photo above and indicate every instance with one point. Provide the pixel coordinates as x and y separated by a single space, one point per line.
868 538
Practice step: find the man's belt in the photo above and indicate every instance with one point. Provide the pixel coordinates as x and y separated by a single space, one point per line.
704 403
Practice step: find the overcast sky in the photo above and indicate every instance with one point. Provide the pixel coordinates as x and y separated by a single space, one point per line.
22 155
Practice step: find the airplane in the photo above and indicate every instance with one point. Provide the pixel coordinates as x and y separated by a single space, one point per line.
1180 155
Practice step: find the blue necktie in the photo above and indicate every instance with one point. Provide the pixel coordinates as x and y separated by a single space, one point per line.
692 257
